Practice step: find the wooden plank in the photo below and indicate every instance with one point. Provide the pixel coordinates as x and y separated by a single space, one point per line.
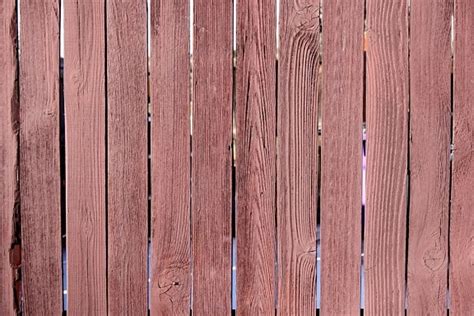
341 156
127 180
39 158
461 281
256 154
211 164
9 112
84 83
387 130
297 156
171 163
430 136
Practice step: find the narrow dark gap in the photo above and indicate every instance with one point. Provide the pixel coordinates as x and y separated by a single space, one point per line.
364 161
106 163
277 55
408 172
451 158
16 241
233 271
149 189
191 97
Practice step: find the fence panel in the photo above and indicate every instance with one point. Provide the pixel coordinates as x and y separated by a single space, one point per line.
9 244
256 167
430 138
171 158
40 189
84 92
341 156
387 142
462 204
297 154
127 157
212 157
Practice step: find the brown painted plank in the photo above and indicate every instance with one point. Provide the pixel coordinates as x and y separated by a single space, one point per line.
84 90
430 121
170 164
297 154
462 216
387 130
127 180
256 154
39 158
9 112
211 161
341 156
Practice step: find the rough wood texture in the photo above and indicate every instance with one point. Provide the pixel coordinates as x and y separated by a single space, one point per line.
430 121
387 130
297 179
8 153
256 164
39 158
462 216
84 67
127 157
211 164
341 156
171 163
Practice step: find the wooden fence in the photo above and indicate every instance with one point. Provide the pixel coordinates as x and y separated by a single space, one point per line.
177 156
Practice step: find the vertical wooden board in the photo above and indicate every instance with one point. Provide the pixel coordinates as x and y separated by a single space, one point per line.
341 156
387 130
84 82
39 158
171 158
211 161
461 281
127 180
8 153
256 157
430 120
297 156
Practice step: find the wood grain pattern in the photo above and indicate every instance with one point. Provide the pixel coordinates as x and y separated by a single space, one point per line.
297 156
430 123
127 181
256 157
171 163
39 158
341 156
387 130
9 112
84 91
211 164
462 216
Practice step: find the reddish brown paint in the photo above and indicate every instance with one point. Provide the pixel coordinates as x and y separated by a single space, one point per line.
341 156
461 280
430 123
84 94
256 159
39 158
127 181
171 158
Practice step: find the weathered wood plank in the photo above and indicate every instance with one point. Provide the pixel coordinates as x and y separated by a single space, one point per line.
171 163
430 121
297 155
9 112
211 164
127 180
84 90
39 158
256 154
341 156
387 143
461 281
